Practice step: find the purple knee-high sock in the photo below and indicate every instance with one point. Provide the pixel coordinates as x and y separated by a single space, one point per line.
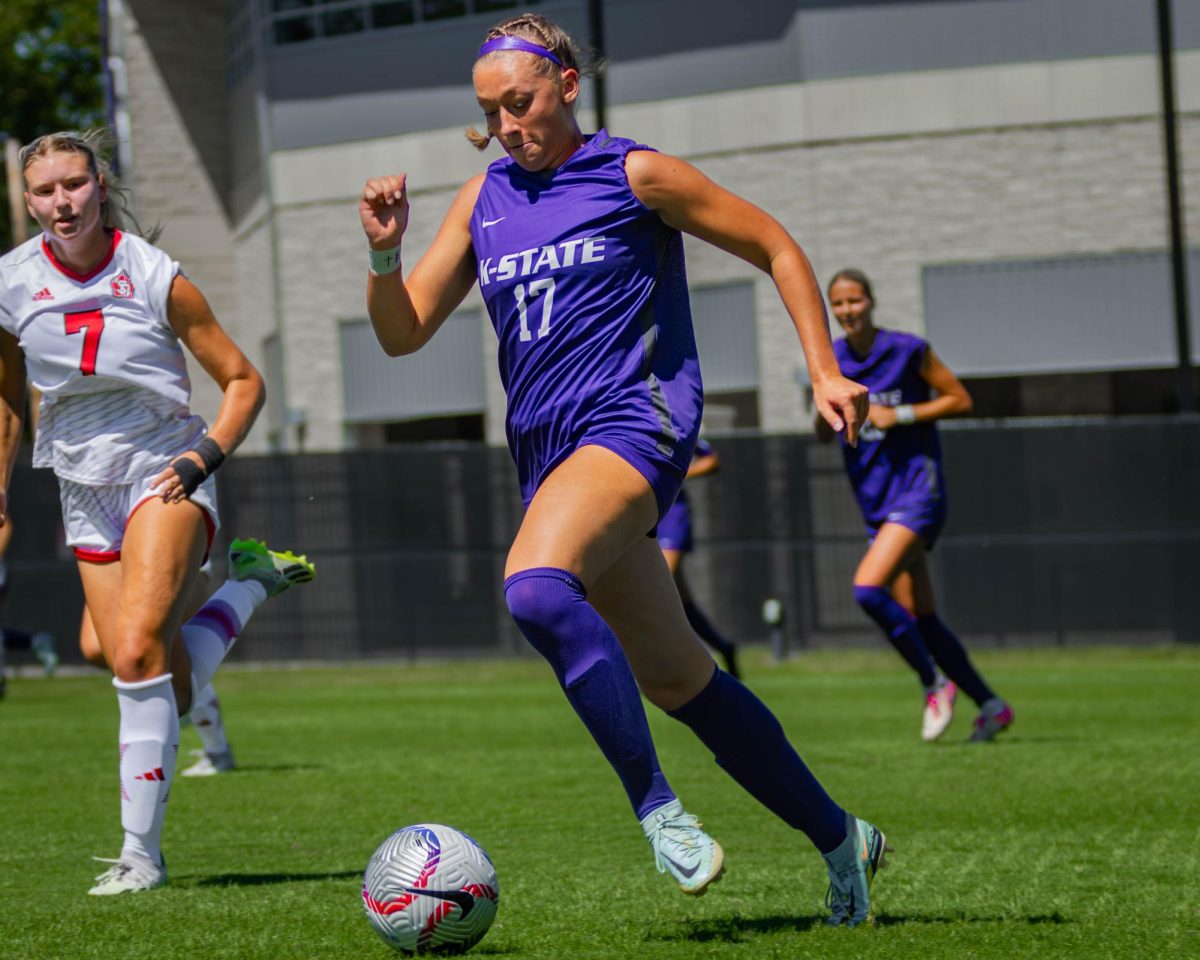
901 629
749 744
952 657
551 609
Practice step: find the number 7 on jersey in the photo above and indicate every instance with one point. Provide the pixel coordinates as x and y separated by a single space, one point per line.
91 322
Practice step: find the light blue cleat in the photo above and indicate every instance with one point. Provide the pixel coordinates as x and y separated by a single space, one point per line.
682 849
852 867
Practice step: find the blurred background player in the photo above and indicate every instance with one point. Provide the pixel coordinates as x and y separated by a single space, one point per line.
675 541
41 643
100 317
896 474
215 755
576 243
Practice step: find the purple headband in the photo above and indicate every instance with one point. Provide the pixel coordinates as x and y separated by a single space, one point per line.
518 43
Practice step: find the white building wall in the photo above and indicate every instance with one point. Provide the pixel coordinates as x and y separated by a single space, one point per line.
170 187
888 173
254 311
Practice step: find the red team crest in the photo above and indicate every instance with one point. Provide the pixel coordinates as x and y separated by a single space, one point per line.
122 286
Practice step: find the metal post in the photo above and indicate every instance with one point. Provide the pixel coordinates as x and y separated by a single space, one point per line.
772 615
1183 346
596 29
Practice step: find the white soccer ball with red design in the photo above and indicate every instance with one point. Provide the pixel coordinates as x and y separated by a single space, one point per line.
430 889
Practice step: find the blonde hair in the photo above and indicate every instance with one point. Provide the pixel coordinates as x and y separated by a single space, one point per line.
96 145
545 33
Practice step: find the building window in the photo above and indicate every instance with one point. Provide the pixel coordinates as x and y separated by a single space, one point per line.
727 341
300 21
438 394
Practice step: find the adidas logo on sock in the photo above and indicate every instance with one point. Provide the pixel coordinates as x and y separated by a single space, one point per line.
155 774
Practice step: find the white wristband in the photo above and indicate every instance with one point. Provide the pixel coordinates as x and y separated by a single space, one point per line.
905 413
381 262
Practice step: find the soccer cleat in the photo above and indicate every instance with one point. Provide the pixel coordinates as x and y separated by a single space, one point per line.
852 867
939 711
994 716
129 875
43 648
275 570
209 764
682 849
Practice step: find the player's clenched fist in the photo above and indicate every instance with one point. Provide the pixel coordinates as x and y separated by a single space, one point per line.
384 210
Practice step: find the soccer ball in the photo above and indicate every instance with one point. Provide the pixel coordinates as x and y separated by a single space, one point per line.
430 889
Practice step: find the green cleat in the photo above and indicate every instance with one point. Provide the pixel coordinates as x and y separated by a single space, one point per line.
275 570
852 867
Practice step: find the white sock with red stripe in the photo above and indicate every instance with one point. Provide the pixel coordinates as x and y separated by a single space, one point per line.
206 717
210 634
149 739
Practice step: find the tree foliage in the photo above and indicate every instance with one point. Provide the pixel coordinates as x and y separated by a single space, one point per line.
50 73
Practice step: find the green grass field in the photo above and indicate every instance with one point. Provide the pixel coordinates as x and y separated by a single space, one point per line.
1075 835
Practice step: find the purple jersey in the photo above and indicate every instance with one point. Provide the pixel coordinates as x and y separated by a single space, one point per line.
894 471
587 292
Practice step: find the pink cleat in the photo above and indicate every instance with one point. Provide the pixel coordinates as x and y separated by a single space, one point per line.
994 716
939 711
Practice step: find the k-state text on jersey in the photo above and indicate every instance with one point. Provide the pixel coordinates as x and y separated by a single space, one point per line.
552 256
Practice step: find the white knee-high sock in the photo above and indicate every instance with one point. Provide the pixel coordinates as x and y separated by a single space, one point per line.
149 740
209 635
206 716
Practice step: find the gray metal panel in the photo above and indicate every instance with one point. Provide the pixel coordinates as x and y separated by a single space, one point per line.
726 336
1074 314
445 377
272 348
873 38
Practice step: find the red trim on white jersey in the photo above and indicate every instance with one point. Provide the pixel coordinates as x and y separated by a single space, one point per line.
82 277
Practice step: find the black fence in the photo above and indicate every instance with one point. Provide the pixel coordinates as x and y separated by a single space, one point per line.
1059 533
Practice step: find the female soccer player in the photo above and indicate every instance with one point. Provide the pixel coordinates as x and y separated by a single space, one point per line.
896 473
675 541
575 243
101 316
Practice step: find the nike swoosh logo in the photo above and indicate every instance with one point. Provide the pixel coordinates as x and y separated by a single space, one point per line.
492 223
464 900
686 871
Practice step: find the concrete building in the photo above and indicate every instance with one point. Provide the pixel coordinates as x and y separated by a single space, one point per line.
995 165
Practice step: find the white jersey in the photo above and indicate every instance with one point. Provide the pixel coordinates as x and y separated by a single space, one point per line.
101 351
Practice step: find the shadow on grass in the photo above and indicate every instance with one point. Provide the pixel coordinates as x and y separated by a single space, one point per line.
261 879
740 929
734 929
244 768
1033 919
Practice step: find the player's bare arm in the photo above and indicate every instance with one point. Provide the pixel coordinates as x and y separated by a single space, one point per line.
12 403
242 390
407 311
952 398
702 465
686 199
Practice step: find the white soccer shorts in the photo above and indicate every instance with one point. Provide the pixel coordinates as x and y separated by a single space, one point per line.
95 517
